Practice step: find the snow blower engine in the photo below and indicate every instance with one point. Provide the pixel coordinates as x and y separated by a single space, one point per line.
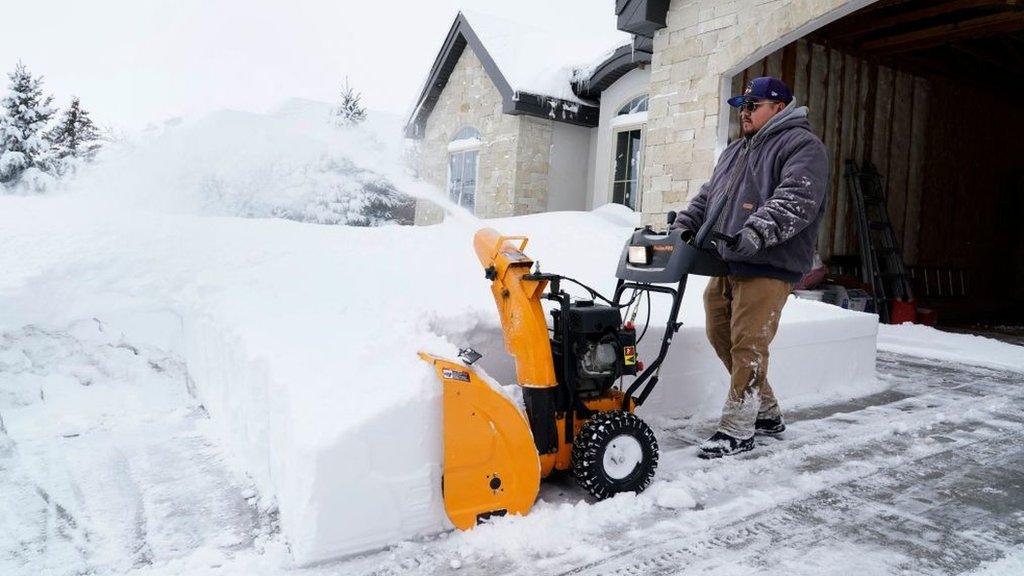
579 407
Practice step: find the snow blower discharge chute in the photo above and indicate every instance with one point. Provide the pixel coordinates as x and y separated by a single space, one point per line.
579 408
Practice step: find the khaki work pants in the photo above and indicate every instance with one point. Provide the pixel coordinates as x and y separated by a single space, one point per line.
742 317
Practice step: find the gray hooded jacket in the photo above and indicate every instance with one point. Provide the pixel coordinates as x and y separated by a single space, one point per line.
776 183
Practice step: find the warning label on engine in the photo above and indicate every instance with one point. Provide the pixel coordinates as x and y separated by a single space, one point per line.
455 374
629 355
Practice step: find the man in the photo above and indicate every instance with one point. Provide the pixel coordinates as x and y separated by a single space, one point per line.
774 182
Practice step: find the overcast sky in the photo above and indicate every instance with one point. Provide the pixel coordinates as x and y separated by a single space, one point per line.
138 61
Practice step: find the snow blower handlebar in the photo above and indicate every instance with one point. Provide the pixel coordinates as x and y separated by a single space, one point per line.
651 258
729 241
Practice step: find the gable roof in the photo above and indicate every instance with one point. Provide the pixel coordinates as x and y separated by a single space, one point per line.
518 60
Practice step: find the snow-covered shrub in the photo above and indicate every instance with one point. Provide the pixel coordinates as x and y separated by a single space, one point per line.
357 198
332 190
290 164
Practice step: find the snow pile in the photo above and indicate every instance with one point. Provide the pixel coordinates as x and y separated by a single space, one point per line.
290 163
927 342
302 341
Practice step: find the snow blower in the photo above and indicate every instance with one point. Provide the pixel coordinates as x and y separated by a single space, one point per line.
579 412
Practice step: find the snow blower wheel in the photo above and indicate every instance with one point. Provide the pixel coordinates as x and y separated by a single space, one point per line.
614 452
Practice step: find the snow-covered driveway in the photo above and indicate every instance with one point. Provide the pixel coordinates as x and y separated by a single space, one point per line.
108 466
925 478
104 462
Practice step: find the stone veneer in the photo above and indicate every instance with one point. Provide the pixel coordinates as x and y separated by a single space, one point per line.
702 41
512 168
533 157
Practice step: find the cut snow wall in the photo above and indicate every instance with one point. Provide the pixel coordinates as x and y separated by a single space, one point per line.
811 361
377 484
317 388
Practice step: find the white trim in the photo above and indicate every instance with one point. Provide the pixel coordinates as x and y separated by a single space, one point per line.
725 79
636 119
465 145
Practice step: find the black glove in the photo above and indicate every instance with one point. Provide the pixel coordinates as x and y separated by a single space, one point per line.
685 233
748 243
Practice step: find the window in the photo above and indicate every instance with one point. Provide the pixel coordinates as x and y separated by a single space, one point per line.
462 179
463 152
626 179
638 104
628 126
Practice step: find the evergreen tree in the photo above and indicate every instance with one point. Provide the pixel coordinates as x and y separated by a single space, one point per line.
350 112
75 136
24 146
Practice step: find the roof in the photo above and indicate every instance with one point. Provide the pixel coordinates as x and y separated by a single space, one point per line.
612 66
537 72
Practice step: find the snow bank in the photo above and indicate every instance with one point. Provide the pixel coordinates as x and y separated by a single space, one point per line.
302 340
927 342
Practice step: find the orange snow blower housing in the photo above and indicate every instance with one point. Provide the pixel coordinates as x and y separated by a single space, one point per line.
577 415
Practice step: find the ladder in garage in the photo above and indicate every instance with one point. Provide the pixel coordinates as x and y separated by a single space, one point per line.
881 257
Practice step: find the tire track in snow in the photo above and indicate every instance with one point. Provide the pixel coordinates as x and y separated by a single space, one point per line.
935 417
105 466
923 542
899 527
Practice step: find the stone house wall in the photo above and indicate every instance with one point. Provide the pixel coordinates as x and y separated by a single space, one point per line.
702 45
512 167
533 164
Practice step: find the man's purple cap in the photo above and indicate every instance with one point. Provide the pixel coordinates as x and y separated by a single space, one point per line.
763 88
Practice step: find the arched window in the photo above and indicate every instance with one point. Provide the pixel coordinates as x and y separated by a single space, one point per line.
463 153
638 104
629 136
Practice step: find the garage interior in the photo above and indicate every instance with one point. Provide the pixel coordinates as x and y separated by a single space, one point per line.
931 93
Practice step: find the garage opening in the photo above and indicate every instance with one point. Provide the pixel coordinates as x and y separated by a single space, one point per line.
927 92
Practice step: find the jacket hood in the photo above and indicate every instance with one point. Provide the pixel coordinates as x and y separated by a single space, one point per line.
792 116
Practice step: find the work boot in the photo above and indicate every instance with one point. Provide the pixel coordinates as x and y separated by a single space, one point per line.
769 426
722 444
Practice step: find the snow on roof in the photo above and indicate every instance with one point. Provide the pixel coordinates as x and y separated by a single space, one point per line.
542 61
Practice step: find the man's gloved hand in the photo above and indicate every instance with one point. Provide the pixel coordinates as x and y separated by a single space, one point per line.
749 243
686 234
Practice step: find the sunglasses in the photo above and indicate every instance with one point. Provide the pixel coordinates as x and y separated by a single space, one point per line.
751 106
